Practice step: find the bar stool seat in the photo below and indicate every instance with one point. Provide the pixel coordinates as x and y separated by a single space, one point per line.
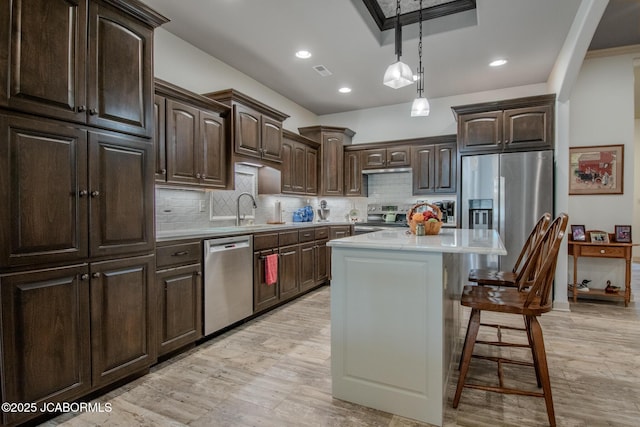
530 298
487 277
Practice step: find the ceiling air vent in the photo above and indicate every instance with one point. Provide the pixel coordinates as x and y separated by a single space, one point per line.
322 70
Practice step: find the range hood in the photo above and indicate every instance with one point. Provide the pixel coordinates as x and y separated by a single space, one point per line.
386 170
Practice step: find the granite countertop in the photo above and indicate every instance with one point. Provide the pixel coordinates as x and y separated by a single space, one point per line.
213 232
484 242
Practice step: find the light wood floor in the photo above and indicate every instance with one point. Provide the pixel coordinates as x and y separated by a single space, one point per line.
275 371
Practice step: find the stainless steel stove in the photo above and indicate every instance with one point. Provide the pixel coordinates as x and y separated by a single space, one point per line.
384 215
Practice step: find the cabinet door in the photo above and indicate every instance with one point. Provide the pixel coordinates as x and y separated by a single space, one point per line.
480 131
288 271
398 156
311 174
307 265
263 295
214 152
43 185
120 71
247 131
47 44
123 310
322 261
445 163
180 308
271 139
529 128
299 169
353 178
45 337
423 169
159 138
182 143
332 165
288 167
121 193
374 158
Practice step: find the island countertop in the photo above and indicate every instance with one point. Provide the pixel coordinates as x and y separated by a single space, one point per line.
483 242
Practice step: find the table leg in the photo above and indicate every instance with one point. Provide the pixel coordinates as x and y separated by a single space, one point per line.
575 276
627 279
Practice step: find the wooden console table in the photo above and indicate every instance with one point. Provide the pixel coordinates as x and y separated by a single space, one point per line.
603 250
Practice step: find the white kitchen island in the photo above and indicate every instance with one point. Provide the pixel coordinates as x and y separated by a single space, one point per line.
395 316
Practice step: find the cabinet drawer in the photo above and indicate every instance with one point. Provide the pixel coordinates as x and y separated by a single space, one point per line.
608 251
321 233
181 254
288 238
265 241
306 235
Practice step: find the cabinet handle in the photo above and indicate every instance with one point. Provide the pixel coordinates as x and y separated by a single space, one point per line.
95 193
181 253
163 171
83 193
198 273
81 108
93 112
84 276
198 175
204 176
288 253
601 251
95 275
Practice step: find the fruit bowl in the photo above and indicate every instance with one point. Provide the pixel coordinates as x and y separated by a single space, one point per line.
427 214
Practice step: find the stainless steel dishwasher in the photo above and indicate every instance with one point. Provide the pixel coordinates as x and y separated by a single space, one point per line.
228 281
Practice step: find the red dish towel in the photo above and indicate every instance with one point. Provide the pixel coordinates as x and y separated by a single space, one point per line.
271 269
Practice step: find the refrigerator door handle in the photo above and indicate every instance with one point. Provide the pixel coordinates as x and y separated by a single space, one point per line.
501 208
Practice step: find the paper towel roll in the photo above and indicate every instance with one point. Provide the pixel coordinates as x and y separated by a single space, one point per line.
277 213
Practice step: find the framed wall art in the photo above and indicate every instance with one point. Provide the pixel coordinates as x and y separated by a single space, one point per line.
596 170
623 233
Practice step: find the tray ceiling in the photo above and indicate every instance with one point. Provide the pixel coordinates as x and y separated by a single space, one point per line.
384 11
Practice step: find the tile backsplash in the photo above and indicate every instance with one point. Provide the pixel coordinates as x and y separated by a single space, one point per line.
185 209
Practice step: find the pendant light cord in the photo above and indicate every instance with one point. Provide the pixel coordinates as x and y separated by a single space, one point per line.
420 69
398 28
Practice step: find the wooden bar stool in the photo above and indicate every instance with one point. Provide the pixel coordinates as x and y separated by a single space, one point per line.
510 278
530 299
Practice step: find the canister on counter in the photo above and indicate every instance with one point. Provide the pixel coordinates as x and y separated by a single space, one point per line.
419 229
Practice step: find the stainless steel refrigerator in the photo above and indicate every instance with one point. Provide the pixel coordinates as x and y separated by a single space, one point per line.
507 192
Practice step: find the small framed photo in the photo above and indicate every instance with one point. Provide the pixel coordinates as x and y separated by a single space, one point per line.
599 237
623 233
577 233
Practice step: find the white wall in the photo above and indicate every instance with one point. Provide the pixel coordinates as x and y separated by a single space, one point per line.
602 113
184 65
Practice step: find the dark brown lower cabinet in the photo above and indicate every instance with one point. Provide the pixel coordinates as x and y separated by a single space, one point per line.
289 259
180 307
264 295
313 264
69 330
45 337
122 324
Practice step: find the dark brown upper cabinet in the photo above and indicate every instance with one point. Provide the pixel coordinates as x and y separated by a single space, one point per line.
521 124
434 168
257 128
299 172
70 193
355 183
390 157
332 141
82 61
191 138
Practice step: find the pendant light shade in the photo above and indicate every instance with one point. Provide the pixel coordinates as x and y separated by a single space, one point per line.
398 74
420 106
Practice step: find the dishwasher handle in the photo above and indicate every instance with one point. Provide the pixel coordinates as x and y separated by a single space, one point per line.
228 246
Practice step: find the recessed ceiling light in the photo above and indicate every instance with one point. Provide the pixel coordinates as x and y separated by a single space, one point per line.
303 54
498 62
344 89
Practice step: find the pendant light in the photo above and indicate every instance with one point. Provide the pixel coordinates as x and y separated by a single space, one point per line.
398 74
420 106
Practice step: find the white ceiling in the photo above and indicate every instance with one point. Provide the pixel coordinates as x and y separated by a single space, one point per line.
259 38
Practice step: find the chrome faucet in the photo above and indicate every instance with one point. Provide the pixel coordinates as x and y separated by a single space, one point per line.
238 206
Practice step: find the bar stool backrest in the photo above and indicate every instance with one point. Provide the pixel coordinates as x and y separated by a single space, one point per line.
540 269
527 250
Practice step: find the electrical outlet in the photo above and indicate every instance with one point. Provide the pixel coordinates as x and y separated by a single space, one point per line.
202 206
